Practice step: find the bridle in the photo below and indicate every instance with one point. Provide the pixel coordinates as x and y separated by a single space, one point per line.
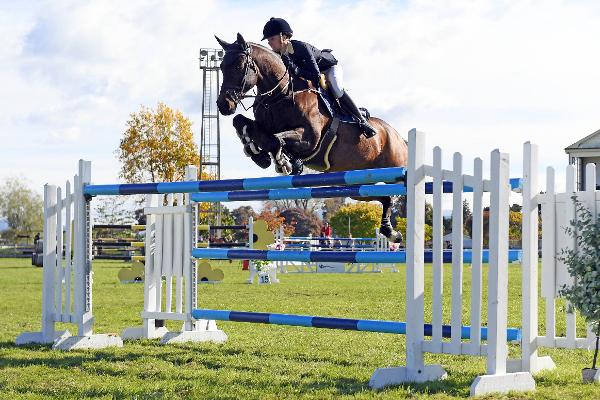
238 93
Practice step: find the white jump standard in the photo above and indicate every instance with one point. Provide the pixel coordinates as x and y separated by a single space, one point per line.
171 243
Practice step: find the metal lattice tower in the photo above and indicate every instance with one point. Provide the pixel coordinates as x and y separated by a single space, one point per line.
210 131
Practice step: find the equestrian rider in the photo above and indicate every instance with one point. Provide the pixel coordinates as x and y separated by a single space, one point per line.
308 62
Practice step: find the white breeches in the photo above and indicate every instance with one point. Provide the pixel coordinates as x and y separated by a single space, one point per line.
335 79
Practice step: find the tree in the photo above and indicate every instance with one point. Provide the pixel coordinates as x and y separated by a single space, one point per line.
428 213
398 209
157 146
331 206
309 205
364 219
226 216
467 214
242 214
583 264
401 227
447 223
274 220
304 223
515 226
21 206
112 210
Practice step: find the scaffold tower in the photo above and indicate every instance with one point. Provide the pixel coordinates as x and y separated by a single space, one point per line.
210 132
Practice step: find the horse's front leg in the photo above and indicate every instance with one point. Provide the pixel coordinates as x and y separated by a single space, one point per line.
292 143
247 132
284 148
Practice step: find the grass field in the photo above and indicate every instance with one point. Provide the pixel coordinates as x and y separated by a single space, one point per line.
258 361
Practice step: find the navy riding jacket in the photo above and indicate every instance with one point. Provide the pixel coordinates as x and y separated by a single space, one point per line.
310 60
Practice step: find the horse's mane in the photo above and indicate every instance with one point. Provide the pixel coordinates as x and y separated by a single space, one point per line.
260 46
269 52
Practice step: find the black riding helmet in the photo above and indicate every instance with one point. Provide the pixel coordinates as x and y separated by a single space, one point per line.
275 26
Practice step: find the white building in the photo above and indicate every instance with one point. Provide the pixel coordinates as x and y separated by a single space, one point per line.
583 152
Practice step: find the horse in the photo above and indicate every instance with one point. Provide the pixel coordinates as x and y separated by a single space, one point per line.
293 126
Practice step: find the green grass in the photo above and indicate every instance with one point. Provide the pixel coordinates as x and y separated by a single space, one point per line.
258 361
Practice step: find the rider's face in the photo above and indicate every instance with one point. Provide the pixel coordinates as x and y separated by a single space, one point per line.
275 43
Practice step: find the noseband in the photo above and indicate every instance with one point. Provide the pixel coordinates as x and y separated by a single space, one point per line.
238 93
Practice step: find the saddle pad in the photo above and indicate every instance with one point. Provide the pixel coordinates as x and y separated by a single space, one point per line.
319 160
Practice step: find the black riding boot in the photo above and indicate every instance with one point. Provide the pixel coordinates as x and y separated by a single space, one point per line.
347 102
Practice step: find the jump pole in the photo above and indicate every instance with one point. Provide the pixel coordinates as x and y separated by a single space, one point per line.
364 325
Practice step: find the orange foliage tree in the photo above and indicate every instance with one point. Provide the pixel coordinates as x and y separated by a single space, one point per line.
157 146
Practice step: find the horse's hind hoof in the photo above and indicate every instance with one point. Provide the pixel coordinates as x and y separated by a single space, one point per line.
391 234
396 237
297 166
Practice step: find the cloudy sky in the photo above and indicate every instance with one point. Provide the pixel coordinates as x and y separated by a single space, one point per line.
473 75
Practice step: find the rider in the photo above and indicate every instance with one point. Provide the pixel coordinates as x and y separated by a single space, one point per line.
308 62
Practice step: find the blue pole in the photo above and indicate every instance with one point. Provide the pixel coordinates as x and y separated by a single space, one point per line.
304 256
385 257
365 325
357 177
323 192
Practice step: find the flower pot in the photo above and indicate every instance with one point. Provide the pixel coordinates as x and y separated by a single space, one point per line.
264 278
590 375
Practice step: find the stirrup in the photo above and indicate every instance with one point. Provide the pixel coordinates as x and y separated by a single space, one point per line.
367 129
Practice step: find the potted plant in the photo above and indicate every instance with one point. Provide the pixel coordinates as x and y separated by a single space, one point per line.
263 267
583 264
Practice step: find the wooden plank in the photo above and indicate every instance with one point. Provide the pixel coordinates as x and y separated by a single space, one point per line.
457 252
415 277
498 265
477 251
438 247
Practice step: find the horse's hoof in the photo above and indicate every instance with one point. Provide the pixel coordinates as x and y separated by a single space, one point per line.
297 166
396 237
239 121
262 159
391 234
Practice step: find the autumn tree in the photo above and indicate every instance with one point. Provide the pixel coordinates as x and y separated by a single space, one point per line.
331 206
304 222
157 146
242 214
401 227
515 227
362 217
274 220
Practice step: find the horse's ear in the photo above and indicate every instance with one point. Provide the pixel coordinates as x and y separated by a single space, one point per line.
223 43
241 41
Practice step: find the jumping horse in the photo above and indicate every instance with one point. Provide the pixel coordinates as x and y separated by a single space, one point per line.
294 126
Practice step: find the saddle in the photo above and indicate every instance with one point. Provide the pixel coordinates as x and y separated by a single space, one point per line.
319 159
333 106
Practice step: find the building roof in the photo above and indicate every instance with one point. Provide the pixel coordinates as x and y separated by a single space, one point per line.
589 142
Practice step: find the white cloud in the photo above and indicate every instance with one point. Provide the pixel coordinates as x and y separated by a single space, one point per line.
474 75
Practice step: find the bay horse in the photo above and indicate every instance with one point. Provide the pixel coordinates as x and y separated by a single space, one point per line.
291 122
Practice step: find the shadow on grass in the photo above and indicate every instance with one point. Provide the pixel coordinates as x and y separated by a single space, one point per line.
120 362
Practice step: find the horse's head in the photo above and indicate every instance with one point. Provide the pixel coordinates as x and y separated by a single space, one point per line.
239 74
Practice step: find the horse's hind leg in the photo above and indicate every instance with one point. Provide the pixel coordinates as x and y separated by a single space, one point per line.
386 228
